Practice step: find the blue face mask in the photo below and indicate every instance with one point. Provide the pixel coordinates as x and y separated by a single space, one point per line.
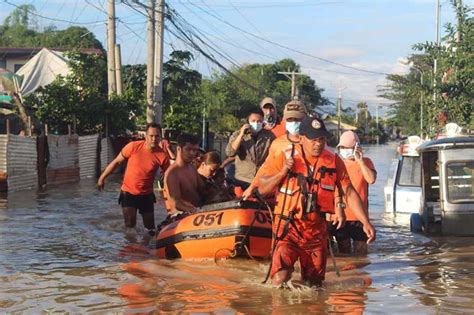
256 126
293 127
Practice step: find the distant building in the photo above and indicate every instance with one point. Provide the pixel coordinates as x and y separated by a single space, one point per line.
14 58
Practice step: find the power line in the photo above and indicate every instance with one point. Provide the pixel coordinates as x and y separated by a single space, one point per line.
286 47
187 39
192 31
250 38
50 18
265 6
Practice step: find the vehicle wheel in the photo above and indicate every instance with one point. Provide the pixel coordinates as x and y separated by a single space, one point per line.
416 224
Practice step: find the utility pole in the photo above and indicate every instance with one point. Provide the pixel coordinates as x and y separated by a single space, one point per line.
339 104
112 85
377 121
435 65
292 76
118 70
150 65
158 82
339 109
366 119
204 133
459 10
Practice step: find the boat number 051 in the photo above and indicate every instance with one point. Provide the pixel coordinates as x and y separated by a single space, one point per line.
208 219
216 218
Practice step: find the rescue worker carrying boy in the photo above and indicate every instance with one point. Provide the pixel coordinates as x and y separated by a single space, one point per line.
311 182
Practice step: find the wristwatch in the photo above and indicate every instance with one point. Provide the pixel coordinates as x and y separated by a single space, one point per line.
341 205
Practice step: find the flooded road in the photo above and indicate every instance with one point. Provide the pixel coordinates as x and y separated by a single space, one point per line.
64 250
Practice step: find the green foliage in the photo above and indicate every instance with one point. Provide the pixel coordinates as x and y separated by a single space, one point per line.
22 16
182 107
454 88
228 101
20 30
80 99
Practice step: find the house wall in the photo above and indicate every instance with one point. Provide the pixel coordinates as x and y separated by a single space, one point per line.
12 61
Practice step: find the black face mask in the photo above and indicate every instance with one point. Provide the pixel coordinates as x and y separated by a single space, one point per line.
269 119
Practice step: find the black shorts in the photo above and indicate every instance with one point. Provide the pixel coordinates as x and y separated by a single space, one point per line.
352 230
144 203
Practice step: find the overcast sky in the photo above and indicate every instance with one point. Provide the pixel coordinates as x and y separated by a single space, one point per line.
368 35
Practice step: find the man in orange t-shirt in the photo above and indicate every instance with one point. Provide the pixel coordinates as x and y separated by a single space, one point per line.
144 158
362 172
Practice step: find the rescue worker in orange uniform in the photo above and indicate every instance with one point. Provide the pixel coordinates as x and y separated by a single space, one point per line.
362 172
308 177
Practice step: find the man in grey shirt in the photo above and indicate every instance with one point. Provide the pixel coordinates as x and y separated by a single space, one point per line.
250 147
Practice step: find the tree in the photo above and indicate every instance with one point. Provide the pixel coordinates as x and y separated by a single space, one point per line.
231 99
22 16
454 88
20 30
80 100
181 105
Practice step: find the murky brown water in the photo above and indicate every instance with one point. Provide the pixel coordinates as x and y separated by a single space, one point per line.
64 250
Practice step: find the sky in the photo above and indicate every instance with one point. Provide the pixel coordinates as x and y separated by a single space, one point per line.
329 39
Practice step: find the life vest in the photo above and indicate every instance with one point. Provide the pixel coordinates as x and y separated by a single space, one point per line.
299 194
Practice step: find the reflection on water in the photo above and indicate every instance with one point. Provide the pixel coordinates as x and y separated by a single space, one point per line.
234 286
64 250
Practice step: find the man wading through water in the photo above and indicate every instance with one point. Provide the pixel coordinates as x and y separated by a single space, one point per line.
310 179
144 158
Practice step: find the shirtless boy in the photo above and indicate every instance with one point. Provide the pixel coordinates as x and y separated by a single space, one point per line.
182 182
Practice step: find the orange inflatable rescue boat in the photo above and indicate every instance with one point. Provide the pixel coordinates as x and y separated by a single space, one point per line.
223 230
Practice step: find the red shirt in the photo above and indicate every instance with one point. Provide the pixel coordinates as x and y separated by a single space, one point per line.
360 185
141 167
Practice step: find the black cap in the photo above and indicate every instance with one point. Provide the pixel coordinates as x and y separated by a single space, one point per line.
312 128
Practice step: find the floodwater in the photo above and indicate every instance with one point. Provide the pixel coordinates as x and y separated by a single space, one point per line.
65 250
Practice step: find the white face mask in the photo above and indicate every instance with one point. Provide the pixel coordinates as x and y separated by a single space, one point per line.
256 126
346 153
293 127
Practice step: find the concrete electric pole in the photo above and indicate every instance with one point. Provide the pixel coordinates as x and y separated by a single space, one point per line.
292 76
339 104
150 65
111 80
435 64
118 70
158 81
459 10
339 109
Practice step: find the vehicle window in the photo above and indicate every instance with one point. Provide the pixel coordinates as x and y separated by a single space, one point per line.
410 171
431 176
460 181
391 172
